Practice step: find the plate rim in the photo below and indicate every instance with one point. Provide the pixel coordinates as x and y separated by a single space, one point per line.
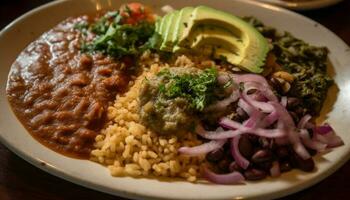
317 4
60 173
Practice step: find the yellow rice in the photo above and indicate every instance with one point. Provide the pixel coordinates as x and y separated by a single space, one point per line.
128 148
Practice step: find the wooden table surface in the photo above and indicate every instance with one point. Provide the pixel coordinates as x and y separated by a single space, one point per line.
20 180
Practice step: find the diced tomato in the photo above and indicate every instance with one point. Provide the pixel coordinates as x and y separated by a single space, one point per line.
134 12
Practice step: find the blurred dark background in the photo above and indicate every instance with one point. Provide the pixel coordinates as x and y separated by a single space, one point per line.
336 18
21 181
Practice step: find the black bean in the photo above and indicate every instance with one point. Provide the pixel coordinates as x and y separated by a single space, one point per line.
285 166
254 174
282 152
305 165
292 102
245 147
215 155
262 155
266 166
223 166
253 139
235 167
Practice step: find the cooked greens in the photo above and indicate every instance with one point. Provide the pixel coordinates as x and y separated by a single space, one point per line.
307 63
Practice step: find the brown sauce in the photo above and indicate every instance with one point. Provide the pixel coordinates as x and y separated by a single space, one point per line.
61 95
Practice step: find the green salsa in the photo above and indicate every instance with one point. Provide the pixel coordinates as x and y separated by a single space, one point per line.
173 101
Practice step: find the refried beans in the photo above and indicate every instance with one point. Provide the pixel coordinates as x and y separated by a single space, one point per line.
60 94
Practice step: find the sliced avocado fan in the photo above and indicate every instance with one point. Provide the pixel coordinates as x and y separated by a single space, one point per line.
213 32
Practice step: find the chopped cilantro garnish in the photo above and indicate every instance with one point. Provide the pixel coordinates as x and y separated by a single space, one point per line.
198 89
117 40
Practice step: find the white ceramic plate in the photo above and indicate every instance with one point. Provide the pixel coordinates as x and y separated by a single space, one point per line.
27 28
303 4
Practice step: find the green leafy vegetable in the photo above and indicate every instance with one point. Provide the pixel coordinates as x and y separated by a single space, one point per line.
307 63
101 25
116 39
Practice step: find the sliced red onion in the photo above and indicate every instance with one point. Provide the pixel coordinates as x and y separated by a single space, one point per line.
269 120
229 124
303 121
219 133
212 135
240 129
321 138
265 91
253 120
299 148
263 106
310 125
312 144
286 122
326 135
324 129
236 154
268 133
249 109
203 148
275 169
258 97
284 101
334 141
331 140
231 178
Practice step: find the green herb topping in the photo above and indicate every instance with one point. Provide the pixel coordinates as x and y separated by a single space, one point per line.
117 39
198 89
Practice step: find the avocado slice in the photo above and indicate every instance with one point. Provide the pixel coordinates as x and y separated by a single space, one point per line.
218 36
168 35
181 24
157 25
207 30
255 46
164 25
